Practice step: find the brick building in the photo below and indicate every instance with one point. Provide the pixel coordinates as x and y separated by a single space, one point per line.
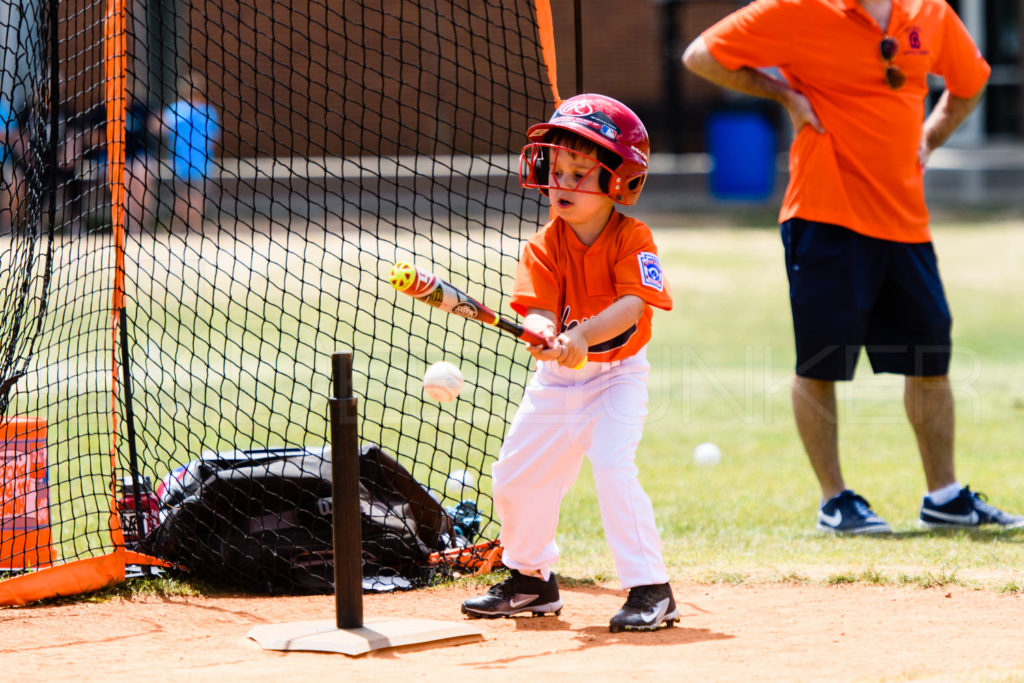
630 50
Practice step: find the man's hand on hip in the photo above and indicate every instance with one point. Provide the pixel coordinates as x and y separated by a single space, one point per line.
801 113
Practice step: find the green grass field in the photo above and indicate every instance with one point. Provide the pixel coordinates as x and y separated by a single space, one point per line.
721 368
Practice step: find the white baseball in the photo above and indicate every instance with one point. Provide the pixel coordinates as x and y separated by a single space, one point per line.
442 381
707 453
457 482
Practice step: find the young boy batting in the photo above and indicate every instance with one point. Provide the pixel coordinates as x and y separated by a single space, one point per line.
586 282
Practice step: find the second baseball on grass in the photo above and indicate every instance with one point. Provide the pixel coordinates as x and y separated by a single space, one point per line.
442 381
707 453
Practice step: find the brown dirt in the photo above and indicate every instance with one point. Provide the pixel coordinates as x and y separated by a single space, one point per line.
727 632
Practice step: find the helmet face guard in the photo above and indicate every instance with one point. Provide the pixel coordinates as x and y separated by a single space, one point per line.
607 123
537 160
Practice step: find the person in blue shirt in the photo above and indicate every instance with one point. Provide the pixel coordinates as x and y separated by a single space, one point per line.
192 129
12 178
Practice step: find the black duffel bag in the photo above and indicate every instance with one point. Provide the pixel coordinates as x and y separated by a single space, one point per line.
261 520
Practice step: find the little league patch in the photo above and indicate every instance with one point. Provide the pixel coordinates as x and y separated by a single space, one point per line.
650 270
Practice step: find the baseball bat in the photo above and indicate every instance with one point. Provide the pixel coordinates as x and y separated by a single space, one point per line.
434 291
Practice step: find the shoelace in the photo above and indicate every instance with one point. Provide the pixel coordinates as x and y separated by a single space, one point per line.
514 584
862 507
641 597
982 506
506 587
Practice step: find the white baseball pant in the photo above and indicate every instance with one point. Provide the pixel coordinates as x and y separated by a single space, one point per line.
597 411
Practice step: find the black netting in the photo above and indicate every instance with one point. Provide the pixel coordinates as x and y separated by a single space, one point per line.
279 157
55 337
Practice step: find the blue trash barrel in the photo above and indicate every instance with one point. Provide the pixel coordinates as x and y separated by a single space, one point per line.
742 145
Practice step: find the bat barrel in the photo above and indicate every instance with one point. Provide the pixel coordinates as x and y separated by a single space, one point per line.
408 279
402 275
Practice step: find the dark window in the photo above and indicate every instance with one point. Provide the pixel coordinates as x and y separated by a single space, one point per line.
1003 107
1001 45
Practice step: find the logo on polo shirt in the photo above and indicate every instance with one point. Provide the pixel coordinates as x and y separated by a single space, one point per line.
915 41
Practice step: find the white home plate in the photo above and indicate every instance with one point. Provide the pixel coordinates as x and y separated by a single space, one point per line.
374 634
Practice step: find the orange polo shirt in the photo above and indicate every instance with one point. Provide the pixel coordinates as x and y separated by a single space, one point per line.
863 172
558 273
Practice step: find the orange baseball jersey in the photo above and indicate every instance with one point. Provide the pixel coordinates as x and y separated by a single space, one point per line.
558 273
863 172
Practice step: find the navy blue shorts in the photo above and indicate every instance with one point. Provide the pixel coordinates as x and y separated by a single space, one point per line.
849 291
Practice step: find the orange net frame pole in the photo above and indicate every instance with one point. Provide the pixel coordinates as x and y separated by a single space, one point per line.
115 60
546 32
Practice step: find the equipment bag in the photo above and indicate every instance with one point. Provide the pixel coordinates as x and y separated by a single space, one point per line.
261 520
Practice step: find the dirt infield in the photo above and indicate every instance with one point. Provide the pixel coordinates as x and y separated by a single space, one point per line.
782 632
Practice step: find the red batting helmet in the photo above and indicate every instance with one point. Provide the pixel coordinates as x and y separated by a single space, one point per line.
607 123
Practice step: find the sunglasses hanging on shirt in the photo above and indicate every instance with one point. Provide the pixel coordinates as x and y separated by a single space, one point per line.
889 47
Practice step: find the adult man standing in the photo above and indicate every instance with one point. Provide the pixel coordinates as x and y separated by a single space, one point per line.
861 267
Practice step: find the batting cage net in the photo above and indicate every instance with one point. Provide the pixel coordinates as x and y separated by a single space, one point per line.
201 202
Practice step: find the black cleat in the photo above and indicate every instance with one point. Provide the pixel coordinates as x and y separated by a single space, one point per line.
518 593
646 609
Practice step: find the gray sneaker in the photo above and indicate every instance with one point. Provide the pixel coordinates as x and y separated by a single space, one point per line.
967 511
848 513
